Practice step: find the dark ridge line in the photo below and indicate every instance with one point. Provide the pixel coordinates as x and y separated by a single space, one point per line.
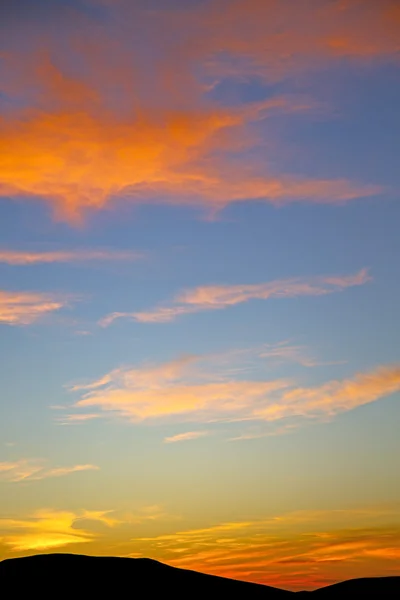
22 569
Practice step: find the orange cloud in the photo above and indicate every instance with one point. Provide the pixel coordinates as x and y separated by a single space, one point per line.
80 137
24 308
336 396
221 296
17 257
274 40
81 160
385 553
203 402
34 470
182 391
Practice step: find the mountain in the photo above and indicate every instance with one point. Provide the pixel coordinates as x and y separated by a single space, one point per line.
60 575
86 576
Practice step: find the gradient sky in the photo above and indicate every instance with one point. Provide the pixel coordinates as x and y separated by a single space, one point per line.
199 298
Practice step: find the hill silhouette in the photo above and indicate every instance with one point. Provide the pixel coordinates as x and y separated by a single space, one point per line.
371 587
55 575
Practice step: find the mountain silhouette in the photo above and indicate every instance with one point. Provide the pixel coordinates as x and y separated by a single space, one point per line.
60 575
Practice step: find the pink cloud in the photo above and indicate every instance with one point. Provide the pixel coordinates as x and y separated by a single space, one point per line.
19 257
214 297
25 308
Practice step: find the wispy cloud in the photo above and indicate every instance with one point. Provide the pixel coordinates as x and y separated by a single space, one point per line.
184 437
215 297
81 418
298 550
153 512
255 433
20 257
165 155
34 470
61 471
148 394
164 137
286 352
24 308
274 41
189 390
334 397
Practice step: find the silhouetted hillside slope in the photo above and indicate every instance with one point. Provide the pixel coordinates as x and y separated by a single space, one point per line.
369 587
130 577
61 575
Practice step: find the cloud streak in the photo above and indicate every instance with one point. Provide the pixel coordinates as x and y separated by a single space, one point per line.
74 419
334 397
186 390
187 436
286 352
274 41
25 308
35 470
19 257
216 297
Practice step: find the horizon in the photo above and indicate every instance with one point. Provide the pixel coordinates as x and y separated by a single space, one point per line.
199 299
379 583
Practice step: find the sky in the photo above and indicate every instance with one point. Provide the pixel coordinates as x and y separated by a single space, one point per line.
199 293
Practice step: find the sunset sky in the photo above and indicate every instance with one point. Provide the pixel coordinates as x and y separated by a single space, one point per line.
200 291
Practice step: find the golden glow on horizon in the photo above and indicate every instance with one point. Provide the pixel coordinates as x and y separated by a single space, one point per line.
49 529
298 550
304 549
